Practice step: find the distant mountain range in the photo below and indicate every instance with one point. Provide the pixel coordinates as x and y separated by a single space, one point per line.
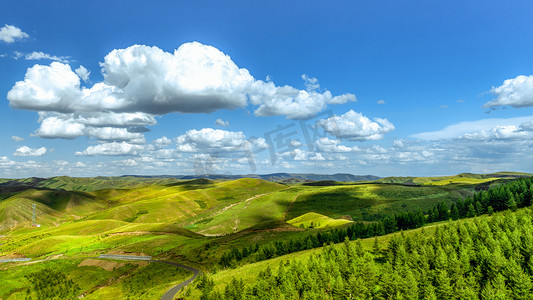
294 177
130 181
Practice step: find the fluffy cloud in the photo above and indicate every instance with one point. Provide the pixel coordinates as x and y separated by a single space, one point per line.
398 144
208 140
162 142
356 127
141 82
54 127
113 149
41 55
47 88
125 163
291 102
104 126
83 73
115 134
222 123
27 151
516 92
195 78
298 154
497 133
327 145
111 119
70 128
10 34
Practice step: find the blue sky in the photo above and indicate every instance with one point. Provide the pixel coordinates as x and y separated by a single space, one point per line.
235 87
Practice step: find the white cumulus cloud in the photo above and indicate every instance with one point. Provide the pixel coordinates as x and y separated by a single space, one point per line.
209 139
195 78
112 149
54 127
10 34
356 127
162 142
516 92
68 127
327 145
142 82
27 151
291 102
115 134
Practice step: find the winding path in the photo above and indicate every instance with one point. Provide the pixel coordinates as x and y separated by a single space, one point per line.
169 295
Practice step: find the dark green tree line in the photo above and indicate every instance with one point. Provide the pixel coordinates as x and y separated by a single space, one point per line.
486 258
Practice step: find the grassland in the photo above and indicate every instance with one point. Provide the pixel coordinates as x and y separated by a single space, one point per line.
97 279
463 178
192 221
314 220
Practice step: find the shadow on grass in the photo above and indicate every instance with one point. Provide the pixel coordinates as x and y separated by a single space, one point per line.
194 184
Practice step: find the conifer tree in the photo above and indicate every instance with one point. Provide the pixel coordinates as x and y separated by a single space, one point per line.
495 289
375 247
511 202
471 211
454 212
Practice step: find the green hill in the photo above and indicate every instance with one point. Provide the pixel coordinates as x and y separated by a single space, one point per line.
213 224
17 212
463 178
314 220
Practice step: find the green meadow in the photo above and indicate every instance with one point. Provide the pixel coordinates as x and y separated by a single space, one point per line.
193 222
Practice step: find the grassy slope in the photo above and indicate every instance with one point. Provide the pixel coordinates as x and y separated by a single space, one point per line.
362 202
466 178
154 231
267 208
150 218
17 212
89 183
368 202
316 221
179 202
97 283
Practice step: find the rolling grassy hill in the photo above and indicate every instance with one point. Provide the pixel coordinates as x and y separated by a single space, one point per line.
197 220
463 178
314 220
360 202
17 212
